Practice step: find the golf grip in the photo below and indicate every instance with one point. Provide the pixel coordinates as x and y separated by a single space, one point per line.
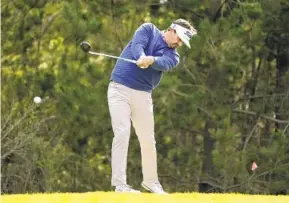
111 56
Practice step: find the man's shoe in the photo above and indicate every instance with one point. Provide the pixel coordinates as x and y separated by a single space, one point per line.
125 188
154 188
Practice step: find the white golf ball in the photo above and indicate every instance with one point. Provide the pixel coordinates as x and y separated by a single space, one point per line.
37 100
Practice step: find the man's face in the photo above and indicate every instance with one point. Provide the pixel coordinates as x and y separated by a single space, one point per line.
173 39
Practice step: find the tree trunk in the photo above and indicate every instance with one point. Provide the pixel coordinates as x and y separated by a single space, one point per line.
208 165
282 83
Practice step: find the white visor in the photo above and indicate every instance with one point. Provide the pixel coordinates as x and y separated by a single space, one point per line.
184 34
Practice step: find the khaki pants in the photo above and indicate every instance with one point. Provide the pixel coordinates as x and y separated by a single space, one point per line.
126 105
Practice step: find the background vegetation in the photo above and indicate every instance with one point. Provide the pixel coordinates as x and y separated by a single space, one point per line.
225 106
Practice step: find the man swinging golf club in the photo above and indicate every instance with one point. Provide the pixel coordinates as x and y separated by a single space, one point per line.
129 97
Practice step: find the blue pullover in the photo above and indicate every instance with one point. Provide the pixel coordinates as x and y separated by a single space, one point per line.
147 40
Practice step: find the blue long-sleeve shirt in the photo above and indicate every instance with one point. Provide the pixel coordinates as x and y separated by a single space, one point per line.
147 40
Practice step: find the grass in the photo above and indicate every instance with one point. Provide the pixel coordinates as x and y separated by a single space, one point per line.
111 197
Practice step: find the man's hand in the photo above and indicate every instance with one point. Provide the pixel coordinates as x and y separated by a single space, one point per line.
145 61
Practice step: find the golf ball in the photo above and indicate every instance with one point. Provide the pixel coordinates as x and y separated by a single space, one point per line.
37 100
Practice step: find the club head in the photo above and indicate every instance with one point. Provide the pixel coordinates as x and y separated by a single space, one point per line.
85 46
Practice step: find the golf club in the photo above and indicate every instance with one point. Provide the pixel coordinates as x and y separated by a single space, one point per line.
85 46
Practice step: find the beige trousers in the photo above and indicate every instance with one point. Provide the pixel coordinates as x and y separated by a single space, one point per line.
126 105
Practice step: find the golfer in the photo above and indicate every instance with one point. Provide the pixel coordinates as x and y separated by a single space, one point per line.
130 100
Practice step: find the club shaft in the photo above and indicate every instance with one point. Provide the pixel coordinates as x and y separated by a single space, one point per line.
111 56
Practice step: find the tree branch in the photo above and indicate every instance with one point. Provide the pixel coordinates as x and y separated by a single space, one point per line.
250 135
262 116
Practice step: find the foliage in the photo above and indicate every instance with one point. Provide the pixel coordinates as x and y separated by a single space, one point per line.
225 106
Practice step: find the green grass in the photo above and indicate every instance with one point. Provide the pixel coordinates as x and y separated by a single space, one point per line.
111 197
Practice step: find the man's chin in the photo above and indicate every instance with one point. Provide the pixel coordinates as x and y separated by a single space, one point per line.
173 46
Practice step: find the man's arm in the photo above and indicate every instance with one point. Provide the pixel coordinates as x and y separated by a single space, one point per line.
140 41
161 63
166 62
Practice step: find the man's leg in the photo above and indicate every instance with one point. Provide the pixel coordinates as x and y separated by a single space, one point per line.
120 112
143 122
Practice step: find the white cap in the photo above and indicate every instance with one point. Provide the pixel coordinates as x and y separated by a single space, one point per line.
184 34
